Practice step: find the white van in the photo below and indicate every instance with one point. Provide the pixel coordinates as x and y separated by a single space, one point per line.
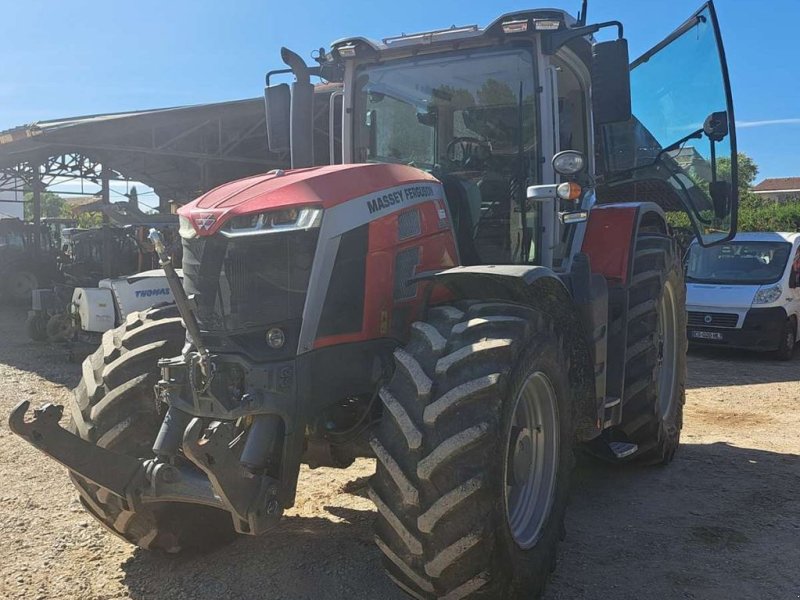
745 293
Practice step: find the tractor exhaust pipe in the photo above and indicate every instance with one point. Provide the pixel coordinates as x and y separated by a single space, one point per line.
300 116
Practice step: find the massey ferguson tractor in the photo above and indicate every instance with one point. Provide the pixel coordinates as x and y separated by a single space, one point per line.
486 282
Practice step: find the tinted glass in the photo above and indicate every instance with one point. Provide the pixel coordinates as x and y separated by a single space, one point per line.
682 132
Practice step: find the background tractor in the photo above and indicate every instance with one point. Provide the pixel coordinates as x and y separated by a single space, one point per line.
23 265
486 282
106 273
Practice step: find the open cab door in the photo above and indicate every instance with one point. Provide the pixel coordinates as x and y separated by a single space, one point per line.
679 148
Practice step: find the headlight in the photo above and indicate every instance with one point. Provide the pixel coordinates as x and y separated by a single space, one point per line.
766 295
185 228
287 219
568 162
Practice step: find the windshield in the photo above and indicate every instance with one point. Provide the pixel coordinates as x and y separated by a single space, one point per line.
738 263
412 111
469 117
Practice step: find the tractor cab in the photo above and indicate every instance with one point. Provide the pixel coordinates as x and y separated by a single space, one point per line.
485 110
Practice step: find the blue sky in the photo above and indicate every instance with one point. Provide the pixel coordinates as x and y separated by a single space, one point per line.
61 59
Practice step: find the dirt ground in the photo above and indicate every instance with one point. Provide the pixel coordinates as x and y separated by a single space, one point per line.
722 522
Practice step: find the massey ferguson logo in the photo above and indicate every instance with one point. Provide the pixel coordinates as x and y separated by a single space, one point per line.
205 222
379 203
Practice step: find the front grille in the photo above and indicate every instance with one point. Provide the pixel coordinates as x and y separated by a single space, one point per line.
247 283
713 319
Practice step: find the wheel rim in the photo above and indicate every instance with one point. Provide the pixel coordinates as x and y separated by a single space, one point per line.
667 347
531 462
22 285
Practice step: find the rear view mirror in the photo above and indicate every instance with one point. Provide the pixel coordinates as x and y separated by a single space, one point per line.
278 101
611 82
716 126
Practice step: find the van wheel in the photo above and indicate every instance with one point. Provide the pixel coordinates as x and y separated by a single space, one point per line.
785 350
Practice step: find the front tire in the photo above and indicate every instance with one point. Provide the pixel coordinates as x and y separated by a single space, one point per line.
474 454
114 406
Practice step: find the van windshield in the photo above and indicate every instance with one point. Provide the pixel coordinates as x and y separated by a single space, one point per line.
738 263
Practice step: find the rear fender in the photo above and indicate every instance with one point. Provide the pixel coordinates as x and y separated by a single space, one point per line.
610 244
541 289
611 236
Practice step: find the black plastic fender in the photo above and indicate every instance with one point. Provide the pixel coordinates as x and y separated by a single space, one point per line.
540 288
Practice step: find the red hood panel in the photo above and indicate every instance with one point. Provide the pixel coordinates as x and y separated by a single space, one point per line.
317 186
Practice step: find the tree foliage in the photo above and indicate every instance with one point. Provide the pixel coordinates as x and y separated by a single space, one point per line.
755 213
54 206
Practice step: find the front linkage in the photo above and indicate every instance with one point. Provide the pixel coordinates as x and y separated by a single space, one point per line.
234 465
251 499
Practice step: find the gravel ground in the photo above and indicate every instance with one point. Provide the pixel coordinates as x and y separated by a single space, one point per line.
722 522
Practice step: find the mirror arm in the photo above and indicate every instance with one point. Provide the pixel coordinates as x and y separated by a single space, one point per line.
695 135
554 41
276 72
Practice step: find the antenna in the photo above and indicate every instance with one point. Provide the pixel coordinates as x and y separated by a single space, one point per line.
582 14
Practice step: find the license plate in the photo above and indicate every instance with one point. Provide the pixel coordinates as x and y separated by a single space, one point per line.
706 335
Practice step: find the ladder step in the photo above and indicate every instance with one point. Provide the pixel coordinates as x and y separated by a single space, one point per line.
622 449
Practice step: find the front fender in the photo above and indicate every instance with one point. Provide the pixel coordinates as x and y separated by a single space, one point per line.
541 289
501 282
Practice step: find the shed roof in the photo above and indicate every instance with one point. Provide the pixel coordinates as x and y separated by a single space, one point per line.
180 152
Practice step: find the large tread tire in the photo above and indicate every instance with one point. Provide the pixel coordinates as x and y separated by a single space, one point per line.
646 421
441 453
114 406
36 327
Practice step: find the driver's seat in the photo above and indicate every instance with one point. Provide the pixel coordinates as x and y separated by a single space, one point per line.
463 208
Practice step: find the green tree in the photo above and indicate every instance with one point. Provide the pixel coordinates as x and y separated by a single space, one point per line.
53 205
747 172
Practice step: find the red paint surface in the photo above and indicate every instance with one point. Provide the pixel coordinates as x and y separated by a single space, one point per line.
437 251
318 186
608 240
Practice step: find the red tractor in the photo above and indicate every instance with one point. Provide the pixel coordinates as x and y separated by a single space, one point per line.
487 283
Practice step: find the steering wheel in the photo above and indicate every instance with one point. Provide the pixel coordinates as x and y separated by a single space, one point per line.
468 147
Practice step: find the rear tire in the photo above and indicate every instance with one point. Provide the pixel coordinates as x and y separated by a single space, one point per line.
36 326
655 369
114 406
466 507
785 350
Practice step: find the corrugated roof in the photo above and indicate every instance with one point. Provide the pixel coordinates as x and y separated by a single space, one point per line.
778 184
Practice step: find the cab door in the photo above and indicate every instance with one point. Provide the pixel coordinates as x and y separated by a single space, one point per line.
679 148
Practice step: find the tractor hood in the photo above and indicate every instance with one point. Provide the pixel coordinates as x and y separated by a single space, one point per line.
323 187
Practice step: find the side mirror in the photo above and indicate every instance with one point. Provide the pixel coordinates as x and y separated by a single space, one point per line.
794 276
611 82
278 100
716 126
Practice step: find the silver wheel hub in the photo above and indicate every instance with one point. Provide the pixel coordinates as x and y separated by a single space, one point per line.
667 348
532 459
